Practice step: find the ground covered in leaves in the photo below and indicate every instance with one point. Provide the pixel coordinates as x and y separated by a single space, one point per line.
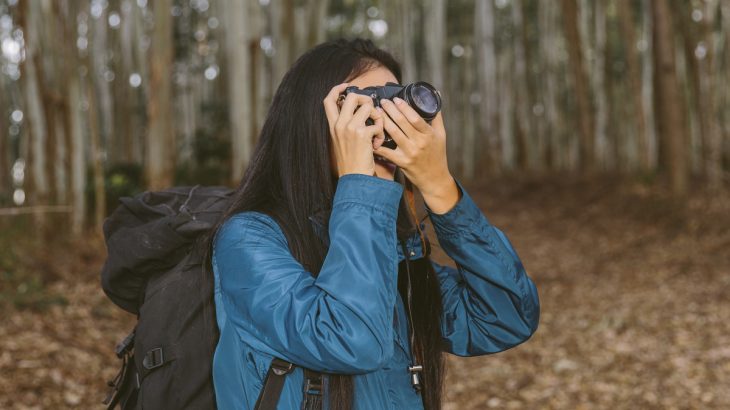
634 289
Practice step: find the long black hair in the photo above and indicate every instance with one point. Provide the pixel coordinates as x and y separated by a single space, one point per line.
289 178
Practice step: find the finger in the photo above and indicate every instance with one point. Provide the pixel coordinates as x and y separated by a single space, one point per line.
397 116
380 137
412 116
330 102
438 124
396 133
352 101
395 156
362 113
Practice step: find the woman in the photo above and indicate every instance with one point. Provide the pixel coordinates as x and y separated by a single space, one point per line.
317 260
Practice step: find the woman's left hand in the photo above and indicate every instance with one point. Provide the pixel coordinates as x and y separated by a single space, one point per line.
421 153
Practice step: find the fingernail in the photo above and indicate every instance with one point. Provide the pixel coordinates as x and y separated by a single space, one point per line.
398 101
386 101
379 109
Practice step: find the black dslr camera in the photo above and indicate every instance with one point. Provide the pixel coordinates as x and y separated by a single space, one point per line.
421 96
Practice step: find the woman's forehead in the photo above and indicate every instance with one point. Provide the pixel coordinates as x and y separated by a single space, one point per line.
375 76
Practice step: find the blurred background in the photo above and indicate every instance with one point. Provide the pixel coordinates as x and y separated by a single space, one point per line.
596 134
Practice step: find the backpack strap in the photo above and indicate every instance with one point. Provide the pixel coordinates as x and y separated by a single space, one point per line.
273 384
157 357
312 390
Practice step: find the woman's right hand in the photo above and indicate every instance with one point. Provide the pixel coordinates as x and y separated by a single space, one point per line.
352 139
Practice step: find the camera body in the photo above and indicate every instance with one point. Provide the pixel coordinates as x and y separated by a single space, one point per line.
420 95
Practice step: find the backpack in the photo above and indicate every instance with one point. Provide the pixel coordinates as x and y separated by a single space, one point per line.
154 269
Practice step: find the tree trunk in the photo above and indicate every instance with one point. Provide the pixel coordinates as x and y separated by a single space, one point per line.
239 108
78 155
34 108
668 99
484 31
647 84
96 161
467 146
5 156
633 72
407 13
317 11
101 86
708 80
435 37
586 158
520 88
282 14
161 147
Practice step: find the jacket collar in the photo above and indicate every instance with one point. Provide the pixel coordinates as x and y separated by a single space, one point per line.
320 224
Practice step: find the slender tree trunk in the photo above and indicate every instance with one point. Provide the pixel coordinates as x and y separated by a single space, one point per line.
406 13
33 102
520 87
647 84
5 156
468 151
708 81
633 72
580 83
548 40
484 31
125 118
161 147
282 15
240 93
599 81
435 37
668 100
102 87
506 110
96 161
317 13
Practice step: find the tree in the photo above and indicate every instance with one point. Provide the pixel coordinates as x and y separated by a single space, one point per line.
633 72
161 147
580 83
668 101
240 97
484 33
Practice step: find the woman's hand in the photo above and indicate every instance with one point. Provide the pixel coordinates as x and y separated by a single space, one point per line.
421 153
352 139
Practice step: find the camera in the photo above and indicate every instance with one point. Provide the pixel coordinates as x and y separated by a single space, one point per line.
421 96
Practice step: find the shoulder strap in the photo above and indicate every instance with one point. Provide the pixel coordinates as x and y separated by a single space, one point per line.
273 384
312 390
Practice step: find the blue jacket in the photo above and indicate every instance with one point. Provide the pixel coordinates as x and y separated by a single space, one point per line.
351 319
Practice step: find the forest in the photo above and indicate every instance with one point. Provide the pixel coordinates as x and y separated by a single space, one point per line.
596 133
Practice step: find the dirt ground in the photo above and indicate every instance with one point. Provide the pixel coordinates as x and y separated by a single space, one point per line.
634 290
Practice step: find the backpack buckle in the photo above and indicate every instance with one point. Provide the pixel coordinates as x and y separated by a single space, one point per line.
153 359
313 386
281 367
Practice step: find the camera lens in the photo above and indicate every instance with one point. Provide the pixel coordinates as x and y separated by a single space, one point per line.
424 98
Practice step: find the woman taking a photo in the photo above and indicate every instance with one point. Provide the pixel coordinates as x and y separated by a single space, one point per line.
320 262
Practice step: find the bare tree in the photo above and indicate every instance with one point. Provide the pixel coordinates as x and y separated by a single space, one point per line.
161 147
580 83
239 62
633 72
668 100
484 31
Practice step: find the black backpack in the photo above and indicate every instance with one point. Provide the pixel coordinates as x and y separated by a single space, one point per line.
154 269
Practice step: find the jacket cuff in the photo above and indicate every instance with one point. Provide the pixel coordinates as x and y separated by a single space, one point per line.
464 216
375 192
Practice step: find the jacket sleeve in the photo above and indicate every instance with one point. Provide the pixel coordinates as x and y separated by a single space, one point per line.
489 302
342 320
